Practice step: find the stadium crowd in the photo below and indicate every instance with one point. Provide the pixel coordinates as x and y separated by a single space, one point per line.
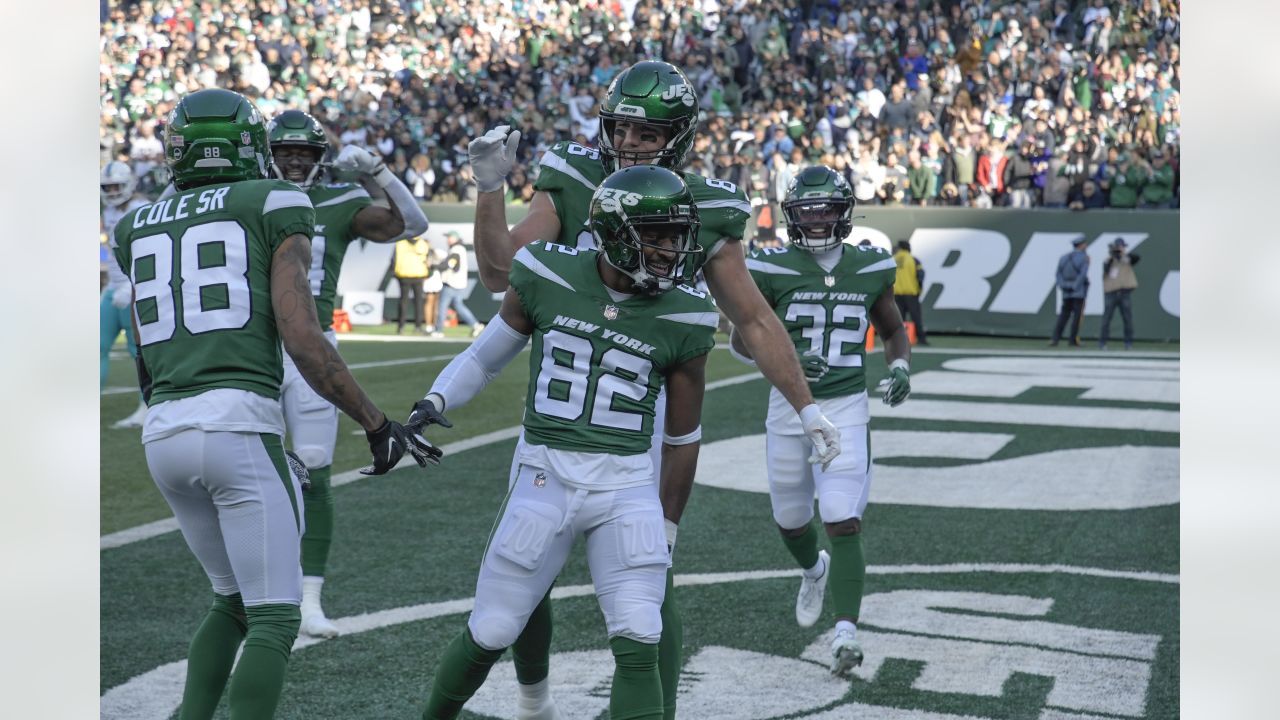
1055 103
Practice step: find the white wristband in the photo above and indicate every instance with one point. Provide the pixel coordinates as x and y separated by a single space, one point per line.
672 529
383 176
686 439
900 363
809 413
436 399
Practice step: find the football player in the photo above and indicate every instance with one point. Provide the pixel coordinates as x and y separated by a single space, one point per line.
117 184
610 329
825 292
343 212
649 116
219 275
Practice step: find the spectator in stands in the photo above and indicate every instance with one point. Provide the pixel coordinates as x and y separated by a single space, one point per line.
1088 197
1072 280
1158 190
1127 182
1118 284
423 78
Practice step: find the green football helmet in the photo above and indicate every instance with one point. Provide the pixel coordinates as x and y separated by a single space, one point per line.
819 209
632 211
650 93
215 136
294 128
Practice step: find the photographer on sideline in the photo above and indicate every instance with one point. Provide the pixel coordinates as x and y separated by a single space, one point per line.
1118 283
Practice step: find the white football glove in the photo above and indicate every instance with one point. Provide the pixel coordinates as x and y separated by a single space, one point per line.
122 296
492 156
824 436
357 159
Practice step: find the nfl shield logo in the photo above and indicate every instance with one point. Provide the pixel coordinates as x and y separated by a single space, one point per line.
610 312
829 280
246 138
539 480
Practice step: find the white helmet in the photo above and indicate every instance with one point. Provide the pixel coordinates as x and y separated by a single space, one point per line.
117 183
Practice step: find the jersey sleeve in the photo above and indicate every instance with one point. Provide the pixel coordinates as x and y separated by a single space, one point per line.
286 211
723 210
523 277
699 342
347 205
760 278
566 173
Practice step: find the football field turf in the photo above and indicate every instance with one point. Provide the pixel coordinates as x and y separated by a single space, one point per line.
1022 542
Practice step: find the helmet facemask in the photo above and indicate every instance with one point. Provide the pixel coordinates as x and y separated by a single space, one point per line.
818 224
286 169
671 156
657 252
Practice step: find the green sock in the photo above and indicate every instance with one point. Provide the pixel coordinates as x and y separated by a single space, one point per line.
532 649
848 575
462 671
213 652
637 689
318 509
259 676
803 548
670 648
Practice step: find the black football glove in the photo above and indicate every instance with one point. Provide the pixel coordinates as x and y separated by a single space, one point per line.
391 441
427 412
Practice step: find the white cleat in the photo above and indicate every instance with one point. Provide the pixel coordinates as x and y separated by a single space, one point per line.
812 593
314 623
544 709
134 420
846 654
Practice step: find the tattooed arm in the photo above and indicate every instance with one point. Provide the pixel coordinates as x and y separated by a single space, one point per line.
299 329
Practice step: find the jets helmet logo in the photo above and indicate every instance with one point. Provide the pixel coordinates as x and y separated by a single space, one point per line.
613 200
681 91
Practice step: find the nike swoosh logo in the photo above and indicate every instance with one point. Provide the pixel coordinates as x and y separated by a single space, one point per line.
391 446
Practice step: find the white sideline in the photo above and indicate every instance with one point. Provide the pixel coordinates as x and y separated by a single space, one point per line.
155 694
160 527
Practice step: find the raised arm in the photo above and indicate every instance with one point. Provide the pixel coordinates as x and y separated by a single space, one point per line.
495 245
491 159
402 218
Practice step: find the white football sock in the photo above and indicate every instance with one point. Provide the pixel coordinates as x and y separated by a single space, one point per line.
535 692
846 625
816 571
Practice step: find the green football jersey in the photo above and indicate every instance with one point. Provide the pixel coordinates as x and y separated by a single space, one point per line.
570 173
826 313
597 364
336 207
200 262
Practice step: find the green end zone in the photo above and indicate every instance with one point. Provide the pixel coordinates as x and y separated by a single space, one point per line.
977 612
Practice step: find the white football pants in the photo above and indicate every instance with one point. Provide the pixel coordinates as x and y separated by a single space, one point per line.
541 520
842 488
239 508
310 421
